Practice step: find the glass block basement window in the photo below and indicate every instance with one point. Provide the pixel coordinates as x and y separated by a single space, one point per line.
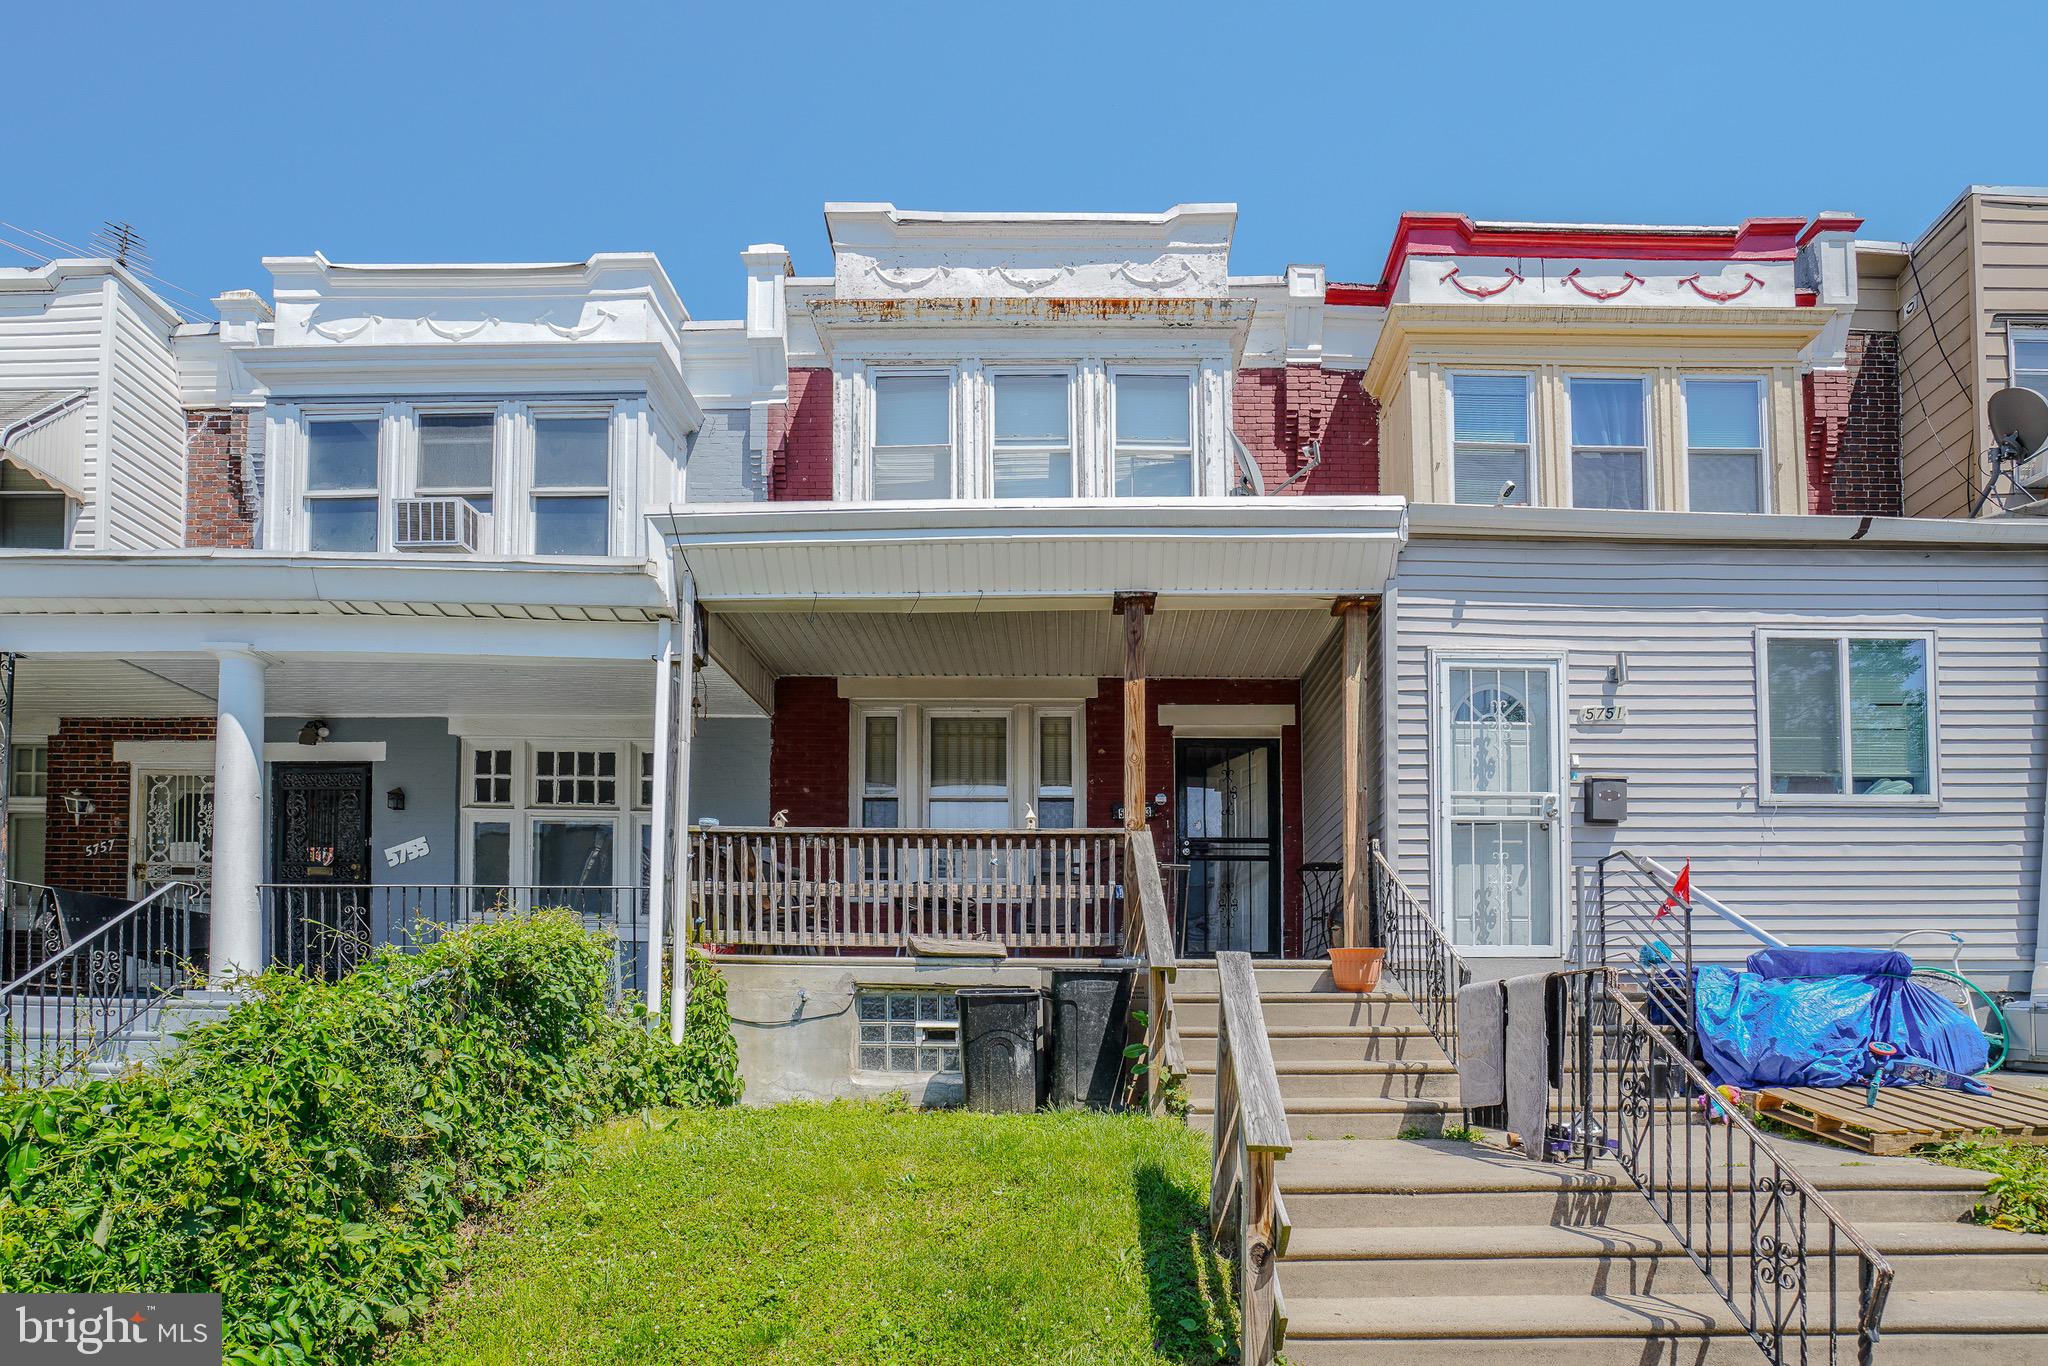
907 1031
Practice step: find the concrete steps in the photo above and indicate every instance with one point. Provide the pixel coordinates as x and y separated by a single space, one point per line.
1391 1239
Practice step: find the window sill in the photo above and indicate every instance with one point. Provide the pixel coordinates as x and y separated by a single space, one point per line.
1849 803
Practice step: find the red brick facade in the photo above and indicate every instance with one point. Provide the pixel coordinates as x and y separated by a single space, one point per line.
1278 410
220 507
810 752
1852 431
800 440
91 854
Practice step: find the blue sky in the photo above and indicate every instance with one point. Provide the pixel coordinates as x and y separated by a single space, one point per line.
522 131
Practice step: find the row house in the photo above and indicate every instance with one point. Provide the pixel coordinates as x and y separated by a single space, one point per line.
882 618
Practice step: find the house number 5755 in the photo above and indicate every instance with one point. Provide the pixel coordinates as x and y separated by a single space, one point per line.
99 847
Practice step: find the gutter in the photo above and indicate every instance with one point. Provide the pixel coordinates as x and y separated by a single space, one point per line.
1443 520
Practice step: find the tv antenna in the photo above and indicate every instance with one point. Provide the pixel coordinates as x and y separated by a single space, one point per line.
2019 426
122 242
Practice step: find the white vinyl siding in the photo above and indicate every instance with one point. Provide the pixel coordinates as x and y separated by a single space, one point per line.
1686 620
1490 446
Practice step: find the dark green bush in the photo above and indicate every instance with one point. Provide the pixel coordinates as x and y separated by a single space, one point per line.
312 1155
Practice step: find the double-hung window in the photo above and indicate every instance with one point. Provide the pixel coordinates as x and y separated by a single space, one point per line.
457 457
571 486
1724 456
881 793
1490 439
1057 797
32 514
1848 716
341 484
913 447
2030 359
1610 456
1034 437
1155 453
967 783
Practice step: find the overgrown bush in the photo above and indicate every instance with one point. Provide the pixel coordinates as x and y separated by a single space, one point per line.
312 1155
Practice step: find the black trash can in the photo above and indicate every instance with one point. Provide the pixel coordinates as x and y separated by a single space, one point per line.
999 1048
1089 1009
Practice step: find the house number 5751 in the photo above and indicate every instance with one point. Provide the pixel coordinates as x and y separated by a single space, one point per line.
99 847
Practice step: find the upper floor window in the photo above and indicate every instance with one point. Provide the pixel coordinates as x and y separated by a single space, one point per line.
1847 716
1154 448
913 436
458 457
1610 455
1724 455
2030 359
571 486
341 484
1490 448
32 514
1034 437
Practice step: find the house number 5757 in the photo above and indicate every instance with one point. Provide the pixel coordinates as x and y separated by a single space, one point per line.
99 847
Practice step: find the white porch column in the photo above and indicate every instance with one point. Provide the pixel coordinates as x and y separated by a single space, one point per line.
688 641
237 942
661 821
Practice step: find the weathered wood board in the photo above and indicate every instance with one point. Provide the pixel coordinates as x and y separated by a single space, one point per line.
1907 1117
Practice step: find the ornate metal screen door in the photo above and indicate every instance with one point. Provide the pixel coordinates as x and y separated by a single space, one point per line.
173 840
320 851
1227 816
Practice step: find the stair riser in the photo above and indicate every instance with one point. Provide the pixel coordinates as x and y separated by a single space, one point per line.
1428 1124
1337 1012
1305 978
1574 1209
1329 1048
1668 1273
1304 1085
1897 1349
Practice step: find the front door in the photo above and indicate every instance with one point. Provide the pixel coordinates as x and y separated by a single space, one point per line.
1501 760
1227 816
320 853
173 840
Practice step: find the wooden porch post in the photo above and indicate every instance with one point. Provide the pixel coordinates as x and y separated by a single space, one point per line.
1352 612
1134 607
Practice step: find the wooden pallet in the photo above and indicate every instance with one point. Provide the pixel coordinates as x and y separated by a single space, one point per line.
1908 1117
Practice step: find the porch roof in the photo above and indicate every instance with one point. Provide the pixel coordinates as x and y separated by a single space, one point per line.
1073 553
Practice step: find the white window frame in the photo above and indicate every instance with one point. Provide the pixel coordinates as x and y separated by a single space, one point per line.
923 751
530 493
1845 798
1532 496
1764 479
1440 667
1190 373
68 508
381 492
1648 449
417 448
14 772
2015 333
995 376
875 375
913 754
524 812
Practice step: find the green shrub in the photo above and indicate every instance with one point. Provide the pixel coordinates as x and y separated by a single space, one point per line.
312 1155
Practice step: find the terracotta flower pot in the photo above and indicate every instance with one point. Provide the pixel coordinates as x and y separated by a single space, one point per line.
1357 969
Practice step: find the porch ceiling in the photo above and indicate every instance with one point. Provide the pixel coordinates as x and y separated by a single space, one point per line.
48 689
1269 643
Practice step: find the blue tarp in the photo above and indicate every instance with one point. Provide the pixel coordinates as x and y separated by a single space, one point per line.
1807 1017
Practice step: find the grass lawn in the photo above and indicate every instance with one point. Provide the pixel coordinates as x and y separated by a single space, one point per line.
850 1233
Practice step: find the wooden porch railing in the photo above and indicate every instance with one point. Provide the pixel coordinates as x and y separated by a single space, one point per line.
786 888
1148 937
1247 1217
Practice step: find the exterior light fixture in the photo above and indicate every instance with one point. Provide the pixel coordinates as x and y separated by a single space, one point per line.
313 732
395 799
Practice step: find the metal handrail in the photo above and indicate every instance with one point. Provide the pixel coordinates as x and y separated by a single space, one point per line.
1247 1216
1634 1080
79 1000
1418 954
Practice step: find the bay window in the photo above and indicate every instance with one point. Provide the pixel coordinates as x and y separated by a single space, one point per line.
1034 440
457 457
341 484
1610 455
913 448
1154 447
1848 716
1490 448
1724 456
571 486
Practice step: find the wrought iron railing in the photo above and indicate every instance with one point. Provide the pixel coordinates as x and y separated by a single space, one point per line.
33 931
1642 931
328 931
1247 1217
1322 906
1803 1283
789 888
102 986
1420 958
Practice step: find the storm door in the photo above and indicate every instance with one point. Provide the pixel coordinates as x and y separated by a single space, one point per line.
1227 818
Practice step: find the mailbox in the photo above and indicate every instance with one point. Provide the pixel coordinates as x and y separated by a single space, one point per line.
1606 800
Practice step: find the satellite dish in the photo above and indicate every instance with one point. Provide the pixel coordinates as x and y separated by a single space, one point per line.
2019 421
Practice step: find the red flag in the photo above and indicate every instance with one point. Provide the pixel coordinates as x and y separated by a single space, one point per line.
1681 890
